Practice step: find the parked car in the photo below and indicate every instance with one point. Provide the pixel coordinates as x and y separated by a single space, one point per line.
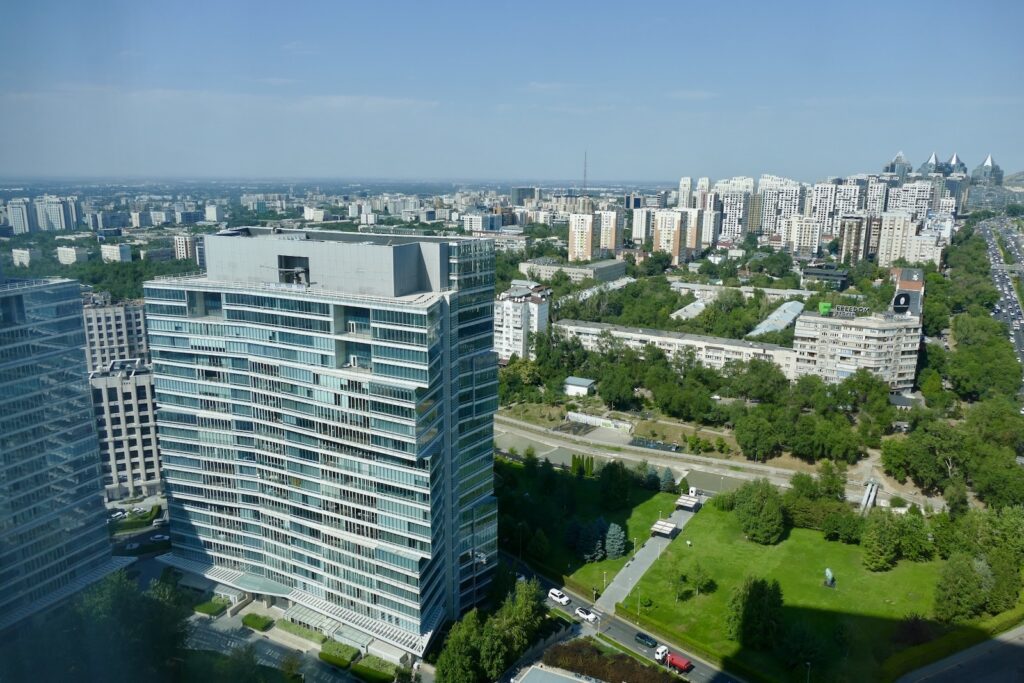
558 596
159 538
677 662
645 639
131 546
586 615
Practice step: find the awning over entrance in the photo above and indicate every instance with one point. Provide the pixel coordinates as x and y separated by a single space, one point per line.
311 619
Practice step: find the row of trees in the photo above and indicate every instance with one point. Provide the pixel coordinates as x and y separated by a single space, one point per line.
979 451
480 649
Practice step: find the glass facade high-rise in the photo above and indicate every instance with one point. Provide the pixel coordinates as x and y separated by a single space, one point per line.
53 537
325 417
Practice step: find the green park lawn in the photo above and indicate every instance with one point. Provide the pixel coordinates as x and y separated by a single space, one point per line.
866 605
638 524
635 517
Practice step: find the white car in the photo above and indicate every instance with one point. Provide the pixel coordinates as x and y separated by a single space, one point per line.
159 537
558 596
659 654
586 615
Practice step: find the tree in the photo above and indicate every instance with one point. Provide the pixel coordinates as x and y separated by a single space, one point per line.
754 614
530 463
241 666
459 661
913 537
615 541
757 437
960 593
291 666
880 541
956 497
616 388
1006 581
539 545
832 480
700 578
668 480
759 510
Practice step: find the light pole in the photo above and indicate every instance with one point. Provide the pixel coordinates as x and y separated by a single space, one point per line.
605 581
808 671
635 548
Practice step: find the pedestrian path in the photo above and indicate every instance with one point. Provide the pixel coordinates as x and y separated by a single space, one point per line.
630 575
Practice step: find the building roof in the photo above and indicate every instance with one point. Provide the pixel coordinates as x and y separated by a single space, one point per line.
682 336
582 382
779 319
689 311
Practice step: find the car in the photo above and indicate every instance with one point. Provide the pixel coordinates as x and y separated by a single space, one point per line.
586 615
659 654
131 546
158 538
520 577
159 522
645 639
558 596
137 510
716 397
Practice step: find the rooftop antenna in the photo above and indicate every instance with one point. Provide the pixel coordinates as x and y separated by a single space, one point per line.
584 173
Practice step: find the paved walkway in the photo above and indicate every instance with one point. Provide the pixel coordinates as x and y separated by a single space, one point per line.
631 574
998 660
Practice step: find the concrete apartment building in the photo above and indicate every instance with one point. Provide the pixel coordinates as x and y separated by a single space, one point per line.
712 352
113 331
22 258
584 236
519 313
801 235
668 234
125 410
116 253
214 213
67 256
836 343
53 540
184 247
894 234
544 268
22 216
326 426
611 223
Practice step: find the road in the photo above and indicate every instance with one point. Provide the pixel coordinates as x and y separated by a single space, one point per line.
999 660
1008 308
621 631
594 445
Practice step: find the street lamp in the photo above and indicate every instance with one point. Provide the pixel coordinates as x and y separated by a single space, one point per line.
808 671
605 580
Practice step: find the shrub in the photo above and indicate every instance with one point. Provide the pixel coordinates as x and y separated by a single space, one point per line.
301 631
338 654
374 670
897 502
585 657
213 608
257 622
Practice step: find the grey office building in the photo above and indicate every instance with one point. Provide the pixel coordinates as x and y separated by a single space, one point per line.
325 417
53 537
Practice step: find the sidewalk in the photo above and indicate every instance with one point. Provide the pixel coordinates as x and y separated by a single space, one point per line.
630 575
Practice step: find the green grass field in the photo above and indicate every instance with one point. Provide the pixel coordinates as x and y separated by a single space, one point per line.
638 524
868 605
635 518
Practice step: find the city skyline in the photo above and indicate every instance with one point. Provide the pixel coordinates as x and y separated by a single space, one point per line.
687 91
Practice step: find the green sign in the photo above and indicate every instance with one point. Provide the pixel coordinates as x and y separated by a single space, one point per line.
824 307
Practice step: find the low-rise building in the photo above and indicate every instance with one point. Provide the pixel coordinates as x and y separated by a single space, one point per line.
578 386
116 253
23 257
828 274
712 352
125 412
520 313
544 268
70 255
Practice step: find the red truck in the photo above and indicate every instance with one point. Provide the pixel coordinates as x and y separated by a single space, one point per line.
680 664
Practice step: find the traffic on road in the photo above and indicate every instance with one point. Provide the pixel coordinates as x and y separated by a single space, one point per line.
1005 277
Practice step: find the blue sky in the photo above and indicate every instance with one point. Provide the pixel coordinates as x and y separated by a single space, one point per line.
513 90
